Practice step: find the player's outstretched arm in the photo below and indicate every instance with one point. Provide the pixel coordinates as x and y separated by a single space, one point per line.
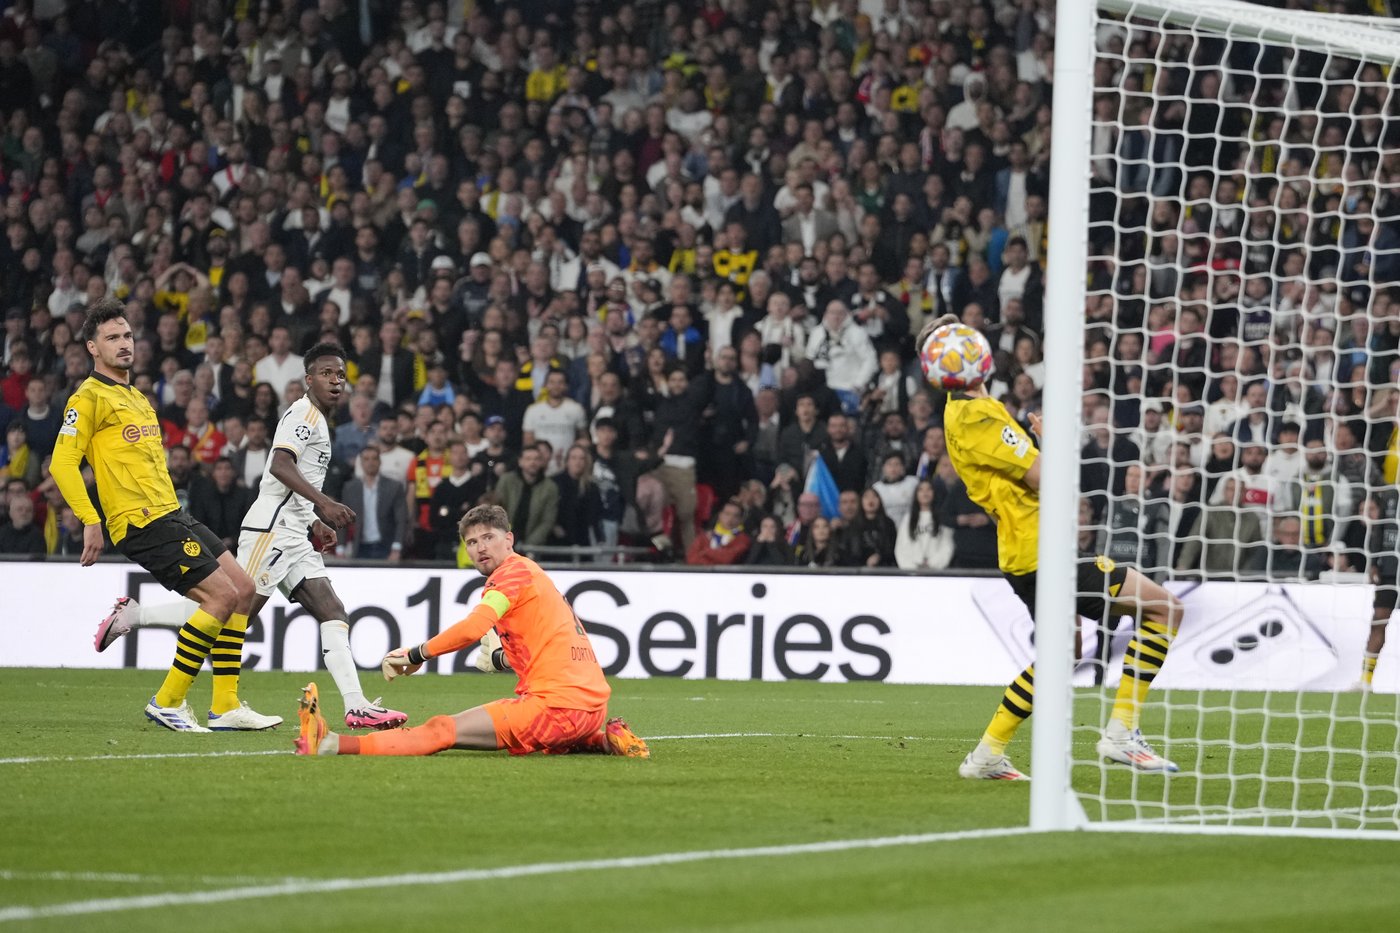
284 468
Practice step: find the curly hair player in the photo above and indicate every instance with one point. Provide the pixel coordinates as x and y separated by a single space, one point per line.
561 699
1000 465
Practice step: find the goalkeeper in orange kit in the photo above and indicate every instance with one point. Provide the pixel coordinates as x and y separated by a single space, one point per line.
561 699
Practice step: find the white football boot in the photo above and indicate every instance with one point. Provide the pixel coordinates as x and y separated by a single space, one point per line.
983 764
1131 749
242 719
175 718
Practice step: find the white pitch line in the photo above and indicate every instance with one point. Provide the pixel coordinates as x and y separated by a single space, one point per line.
104 877
225 754
43 759
330 885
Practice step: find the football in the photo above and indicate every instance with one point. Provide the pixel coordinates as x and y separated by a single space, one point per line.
956 357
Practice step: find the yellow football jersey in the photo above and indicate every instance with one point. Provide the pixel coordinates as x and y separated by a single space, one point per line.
115 428
992 453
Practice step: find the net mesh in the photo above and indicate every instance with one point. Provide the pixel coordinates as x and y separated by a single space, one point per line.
1239 422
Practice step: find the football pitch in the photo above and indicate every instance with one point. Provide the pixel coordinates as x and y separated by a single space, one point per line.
765 807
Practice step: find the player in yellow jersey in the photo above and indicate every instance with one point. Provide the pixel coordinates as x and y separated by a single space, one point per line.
1000 465
113 426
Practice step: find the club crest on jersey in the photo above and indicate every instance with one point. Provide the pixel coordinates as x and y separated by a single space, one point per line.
192 548
1105 564
303 432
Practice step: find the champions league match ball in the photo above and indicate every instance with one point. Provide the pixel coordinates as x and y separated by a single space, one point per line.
956 357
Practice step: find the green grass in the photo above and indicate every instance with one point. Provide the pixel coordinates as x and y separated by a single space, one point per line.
840 762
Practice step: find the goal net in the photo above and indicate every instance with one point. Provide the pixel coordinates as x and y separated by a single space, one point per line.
1241 351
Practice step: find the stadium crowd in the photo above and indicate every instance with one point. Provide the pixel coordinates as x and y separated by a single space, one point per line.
636 271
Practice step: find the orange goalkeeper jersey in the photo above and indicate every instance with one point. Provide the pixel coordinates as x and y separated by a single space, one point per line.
543 639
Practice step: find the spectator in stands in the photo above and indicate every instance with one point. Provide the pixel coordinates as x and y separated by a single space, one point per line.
19 460
21 535
459 489
391 364
725 541
1258 489
251 457
769 548
675 435
843 456
974 535
580 515
555 418
922 542
425 472
817 548
1326 502
70 534
868 538
895 486
841 349
354 435
731 426
204 440
265 409
803 437
1286 557
380 508
505 400
1226 540
281 365
41 420
529 498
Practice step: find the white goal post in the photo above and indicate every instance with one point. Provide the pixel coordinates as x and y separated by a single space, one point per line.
1225 206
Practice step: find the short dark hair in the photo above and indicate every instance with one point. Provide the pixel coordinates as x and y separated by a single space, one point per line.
492 516
322 349
108 309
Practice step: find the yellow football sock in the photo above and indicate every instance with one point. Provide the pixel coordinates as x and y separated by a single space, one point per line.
1146 654
1368 667
227 660
1016 705
192 645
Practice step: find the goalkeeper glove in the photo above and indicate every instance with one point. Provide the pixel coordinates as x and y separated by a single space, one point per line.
492 657
401 662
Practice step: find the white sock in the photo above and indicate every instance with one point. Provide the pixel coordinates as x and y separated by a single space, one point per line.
330 745
171 615
335 648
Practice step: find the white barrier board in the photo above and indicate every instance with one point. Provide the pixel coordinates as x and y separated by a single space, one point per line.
734 625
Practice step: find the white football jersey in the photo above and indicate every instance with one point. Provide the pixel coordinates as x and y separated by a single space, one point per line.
304 433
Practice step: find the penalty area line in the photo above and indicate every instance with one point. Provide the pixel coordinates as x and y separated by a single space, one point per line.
419 879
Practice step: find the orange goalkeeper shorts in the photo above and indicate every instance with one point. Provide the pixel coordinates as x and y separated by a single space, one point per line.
528 724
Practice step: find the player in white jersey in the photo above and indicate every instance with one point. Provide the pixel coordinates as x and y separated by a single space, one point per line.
275 546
